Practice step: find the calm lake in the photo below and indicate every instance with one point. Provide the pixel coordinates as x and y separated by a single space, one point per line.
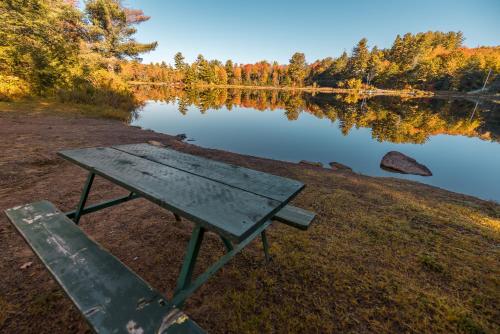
457 140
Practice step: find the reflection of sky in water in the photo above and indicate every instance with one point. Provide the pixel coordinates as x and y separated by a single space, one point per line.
461 164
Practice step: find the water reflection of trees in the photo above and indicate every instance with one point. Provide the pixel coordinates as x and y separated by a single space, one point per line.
391 119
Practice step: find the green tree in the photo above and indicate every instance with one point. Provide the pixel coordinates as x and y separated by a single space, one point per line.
179 61
297 70
358 62
39 43
229 67
110 28
375 65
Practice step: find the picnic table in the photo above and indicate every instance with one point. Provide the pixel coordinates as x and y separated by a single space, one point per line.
236 203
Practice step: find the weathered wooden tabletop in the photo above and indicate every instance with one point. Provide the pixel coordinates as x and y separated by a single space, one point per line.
230 200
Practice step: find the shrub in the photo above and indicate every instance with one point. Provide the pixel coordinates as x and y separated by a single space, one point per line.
354 84
100 87
12 87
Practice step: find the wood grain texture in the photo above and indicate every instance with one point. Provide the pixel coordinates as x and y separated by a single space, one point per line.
295 217
229 211
260 183
111 297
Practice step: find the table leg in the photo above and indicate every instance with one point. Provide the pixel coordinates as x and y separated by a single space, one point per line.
227 243
182 294
177 217
193 249
265 245
83 197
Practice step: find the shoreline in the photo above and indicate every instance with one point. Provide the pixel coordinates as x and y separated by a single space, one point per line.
53 107
364 92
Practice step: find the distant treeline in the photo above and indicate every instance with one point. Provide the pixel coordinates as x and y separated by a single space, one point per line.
427 61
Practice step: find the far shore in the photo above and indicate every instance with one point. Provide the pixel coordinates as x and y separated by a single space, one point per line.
413 93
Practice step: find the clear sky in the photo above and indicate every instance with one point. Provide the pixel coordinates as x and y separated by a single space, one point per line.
252 30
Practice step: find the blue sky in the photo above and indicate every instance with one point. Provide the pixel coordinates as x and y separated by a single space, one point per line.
253 30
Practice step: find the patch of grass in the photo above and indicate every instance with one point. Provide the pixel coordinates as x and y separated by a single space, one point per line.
43 303
5 309
53 106
466 325
430 263
378 259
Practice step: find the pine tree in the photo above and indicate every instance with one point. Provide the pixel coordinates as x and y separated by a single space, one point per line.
358 62
229 67
179 61
111 30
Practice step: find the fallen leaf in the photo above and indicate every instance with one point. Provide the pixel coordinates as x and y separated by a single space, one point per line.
26 265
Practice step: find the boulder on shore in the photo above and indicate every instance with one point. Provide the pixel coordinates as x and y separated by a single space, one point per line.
398 162
311 163
339 167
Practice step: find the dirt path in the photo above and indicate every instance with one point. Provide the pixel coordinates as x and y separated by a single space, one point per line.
385 255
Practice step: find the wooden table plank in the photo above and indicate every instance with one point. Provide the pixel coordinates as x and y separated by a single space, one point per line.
229 211
264 184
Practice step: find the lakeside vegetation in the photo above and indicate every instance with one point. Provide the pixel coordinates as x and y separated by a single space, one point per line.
54 48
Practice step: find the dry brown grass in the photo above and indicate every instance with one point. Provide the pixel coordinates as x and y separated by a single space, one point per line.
55 107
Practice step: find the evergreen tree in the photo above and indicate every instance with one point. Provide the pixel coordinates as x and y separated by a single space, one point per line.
111 28
358 62
179 61
229 67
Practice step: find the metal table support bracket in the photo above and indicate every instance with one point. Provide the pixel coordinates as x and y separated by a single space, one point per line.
184 285
83 197
82 210
227 243
265 245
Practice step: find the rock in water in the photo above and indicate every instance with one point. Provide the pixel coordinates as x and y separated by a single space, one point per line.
181 136
396 161
340 167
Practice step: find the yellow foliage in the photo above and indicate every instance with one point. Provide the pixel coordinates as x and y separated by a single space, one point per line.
100 87
12 87
354 84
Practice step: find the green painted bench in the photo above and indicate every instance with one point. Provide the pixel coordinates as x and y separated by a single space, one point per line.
111 297
295 217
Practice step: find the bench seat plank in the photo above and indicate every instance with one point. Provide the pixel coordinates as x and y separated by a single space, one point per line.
229 211
295 217
111 297
264 184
